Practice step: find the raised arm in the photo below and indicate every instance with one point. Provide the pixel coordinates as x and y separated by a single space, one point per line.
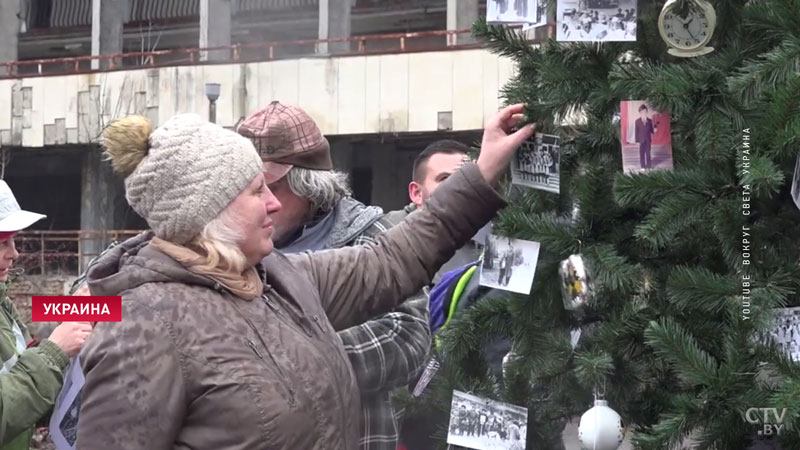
356 283
359 282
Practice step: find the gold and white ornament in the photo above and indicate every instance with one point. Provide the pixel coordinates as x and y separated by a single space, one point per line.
577 286
687 36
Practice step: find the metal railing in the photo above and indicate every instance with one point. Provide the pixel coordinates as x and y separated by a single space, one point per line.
64 252
250 52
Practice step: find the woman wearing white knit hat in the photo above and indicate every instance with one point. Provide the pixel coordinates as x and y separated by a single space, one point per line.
225 344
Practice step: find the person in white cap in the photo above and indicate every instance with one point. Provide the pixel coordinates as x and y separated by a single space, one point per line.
31 374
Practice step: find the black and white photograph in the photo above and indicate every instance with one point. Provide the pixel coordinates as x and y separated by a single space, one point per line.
69 424
485 424
596 20
796 183
537 163
509 264
786 331
64 419
512 11
541 17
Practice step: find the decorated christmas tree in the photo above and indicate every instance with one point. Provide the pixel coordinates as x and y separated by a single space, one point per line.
690 259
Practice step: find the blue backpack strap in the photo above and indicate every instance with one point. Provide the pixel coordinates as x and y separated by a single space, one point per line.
444 296
439 300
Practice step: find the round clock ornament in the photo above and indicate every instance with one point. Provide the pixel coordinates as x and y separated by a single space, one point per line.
687 36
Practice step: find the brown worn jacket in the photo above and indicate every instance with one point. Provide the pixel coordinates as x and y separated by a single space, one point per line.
193 367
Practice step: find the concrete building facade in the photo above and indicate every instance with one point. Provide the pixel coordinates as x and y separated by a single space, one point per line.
379 107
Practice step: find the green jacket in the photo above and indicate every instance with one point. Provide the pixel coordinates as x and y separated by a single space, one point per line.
30 379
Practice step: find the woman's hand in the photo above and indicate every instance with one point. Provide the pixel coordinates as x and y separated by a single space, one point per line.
82 291
70 336
499 144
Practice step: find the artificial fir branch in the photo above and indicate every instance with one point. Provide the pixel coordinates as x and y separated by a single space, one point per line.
700 290
763 177
769 71
673 215
647 190
726 226
771 20
674 344
502 40
781 126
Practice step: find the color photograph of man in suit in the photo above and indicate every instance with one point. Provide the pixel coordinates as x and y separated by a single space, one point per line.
645 129
645 139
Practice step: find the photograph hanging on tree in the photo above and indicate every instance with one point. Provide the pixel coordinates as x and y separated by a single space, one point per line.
509 264
796 183
537 163
786 332
646 139
541 17
596 20
513 11
485 424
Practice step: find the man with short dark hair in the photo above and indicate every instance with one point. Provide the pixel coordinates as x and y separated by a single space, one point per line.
432 166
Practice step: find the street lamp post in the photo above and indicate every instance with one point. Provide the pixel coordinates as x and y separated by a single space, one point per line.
212 92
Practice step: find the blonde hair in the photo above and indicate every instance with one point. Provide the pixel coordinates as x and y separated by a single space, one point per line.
127 142
218 242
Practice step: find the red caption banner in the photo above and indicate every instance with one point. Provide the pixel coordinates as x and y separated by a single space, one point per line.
77 309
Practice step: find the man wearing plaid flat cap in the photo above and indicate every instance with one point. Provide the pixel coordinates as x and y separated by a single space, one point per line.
318 213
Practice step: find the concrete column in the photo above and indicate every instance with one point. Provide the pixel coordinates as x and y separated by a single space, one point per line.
108 17
103 204
461 14
215 28
9 30
334 21
388 184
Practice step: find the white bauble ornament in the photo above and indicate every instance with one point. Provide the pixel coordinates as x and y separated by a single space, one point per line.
600 428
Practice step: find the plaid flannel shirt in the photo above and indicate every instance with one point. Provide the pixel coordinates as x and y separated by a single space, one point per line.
387 352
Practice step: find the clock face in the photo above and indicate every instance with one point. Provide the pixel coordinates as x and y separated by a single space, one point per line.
690 32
